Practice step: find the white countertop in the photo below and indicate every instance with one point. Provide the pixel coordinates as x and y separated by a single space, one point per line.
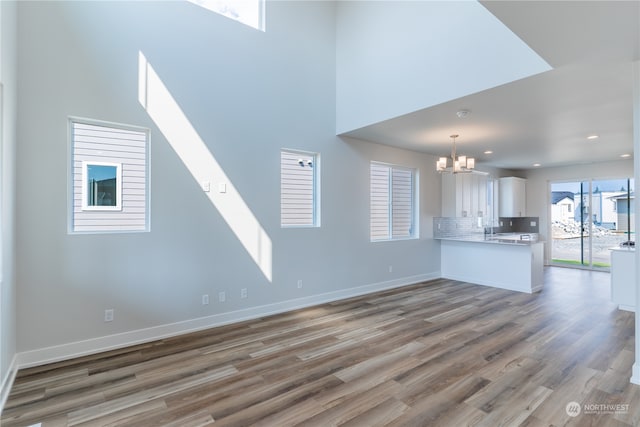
624 249
496 239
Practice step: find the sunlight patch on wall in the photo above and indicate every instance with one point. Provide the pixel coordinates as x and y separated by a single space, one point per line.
185 141
248 12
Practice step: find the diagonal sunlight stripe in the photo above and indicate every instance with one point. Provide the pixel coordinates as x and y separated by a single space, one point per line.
185 141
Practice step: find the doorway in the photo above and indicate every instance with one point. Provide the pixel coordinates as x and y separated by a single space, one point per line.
588 218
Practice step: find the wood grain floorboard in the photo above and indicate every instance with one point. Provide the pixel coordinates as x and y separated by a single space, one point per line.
439 353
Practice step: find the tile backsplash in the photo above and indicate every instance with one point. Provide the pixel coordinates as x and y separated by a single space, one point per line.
525 224
464 227
456 227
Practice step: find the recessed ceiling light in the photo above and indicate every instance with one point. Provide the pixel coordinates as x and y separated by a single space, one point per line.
536 165
488 152
591 137
625 155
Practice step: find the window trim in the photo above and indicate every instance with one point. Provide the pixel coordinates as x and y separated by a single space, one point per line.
415 229
85 188
214 6
315 156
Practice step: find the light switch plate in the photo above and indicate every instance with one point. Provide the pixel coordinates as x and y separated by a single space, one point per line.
222 187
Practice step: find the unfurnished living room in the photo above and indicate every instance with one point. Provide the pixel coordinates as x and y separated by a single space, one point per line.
319 213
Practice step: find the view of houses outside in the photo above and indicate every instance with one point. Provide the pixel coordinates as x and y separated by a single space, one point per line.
588 219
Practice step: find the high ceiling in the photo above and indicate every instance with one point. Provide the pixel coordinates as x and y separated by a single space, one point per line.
544 119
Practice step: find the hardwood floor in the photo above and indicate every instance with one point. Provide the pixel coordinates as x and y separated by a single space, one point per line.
441 353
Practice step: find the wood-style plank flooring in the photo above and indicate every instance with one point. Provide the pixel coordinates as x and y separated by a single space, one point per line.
440 353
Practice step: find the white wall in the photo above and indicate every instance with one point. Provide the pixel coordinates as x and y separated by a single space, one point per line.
396 57
8 143
538 189
247 94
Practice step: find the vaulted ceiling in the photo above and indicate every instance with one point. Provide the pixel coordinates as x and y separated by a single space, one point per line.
546 118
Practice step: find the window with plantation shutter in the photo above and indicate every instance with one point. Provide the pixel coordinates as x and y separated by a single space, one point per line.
392 202
298 189
401 203
380 201
108 178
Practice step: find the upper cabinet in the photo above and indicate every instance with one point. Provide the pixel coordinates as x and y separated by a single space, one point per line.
464 195
512 197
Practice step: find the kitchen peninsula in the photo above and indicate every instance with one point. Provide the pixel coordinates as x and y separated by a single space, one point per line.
512 261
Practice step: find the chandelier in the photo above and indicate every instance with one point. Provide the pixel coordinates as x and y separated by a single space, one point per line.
461 164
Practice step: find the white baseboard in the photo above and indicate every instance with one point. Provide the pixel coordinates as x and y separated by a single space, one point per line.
625 307
7 382
110 342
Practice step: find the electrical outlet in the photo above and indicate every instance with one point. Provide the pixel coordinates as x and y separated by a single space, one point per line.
108 315
391 269
243 293
205 299
300 284
222 296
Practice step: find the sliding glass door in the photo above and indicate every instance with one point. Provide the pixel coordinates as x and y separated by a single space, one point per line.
588 218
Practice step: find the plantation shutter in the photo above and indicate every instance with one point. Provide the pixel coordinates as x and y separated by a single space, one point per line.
379 221
402 203
297 187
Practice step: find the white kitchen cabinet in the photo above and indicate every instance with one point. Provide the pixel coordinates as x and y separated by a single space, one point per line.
449 194
467 196
493 197
512 198
482 201
464 195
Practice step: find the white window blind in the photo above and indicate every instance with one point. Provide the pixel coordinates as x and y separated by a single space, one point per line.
123 149
298 189
392 202
402 203
380 201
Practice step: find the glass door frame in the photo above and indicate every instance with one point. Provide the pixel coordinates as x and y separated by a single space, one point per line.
584 214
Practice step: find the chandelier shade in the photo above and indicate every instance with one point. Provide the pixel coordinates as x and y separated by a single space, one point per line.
460 164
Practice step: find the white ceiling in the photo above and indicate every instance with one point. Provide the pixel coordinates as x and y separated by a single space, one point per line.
545 118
